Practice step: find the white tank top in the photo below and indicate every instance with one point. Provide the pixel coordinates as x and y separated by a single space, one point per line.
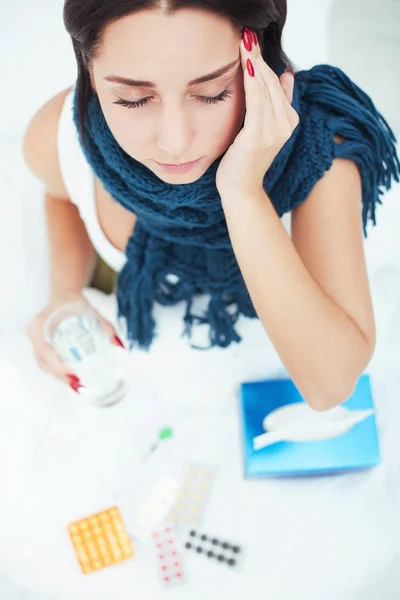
79 180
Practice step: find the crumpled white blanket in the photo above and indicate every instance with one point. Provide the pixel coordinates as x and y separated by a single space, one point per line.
330 537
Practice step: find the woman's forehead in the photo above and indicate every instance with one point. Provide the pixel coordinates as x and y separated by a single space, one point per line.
186 41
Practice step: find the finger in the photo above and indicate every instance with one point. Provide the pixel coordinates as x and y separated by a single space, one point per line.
279 99
273 87
281 89
69 379
258 107
49 357
251 55
282 99
42 364
47 369
287 82
110 332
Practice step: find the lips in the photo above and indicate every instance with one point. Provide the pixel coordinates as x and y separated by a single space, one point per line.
181 168
179 165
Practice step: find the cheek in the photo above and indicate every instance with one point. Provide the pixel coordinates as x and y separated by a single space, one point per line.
228 121
130 131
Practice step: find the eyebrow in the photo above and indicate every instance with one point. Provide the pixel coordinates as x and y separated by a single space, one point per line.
137 83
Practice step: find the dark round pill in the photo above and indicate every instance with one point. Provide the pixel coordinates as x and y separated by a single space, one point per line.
221 557
215 542
204 538
231 562
188 545
199 549
225 546
236 549
210 554
192 533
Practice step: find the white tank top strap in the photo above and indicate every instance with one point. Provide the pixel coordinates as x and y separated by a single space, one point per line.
79 180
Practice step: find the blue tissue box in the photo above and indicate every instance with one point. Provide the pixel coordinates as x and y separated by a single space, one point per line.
358 448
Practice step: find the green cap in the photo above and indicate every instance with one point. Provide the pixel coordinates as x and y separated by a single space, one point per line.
165 434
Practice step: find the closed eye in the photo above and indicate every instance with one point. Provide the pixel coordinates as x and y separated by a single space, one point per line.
203 99
132 104
214 99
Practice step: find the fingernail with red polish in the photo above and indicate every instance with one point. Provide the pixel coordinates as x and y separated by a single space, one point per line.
289 69
247 40
118 342
76 386
250 68
255 38
72 377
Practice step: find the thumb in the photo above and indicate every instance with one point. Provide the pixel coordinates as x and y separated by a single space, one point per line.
110 332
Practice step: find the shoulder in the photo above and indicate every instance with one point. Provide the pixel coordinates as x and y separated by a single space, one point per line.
40 145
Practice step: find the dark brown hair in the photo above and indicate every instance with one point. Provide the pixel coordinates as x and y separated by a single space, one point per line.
85 21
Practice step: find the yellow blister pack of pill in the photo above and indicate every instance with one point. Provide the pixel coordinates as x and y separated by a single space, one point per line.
101 540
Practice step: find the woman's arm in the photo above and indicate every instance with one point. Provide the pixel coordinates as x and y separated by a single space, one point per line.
311 294
72 253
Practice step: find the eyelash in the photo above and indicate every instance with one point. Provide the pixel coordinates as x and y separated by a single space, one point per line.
203 99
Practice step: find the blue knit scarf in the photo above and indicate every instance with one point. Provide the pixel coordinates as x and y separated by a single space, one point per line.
181 229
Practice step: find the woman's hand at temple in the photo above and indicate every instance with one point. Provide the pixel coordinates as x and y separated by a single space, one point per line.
270 121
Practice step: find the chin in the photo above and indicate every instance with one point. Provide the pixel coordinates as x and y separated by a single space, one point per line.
183 179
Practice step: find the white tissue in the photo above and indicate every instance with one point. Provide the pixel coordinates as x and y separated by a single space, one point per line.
299 423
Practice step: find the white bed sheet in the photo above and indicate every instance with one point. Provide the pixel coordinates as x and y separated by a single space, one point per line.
330 537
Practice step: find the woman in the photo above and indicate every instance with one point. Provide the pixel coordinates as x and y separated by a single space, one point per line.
195 135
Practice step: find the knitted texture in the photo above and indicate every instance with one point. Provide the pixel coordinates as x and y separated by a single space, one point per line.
181 229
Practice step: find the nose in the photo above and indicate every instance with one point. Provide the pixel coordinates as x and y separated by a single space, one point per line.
175 133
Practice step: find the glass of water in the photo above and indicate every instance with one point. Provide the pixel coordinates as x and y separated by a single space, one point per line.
75 333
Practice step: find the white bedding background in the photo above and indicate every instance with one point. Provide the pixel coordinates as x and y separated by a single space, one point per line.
332 537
